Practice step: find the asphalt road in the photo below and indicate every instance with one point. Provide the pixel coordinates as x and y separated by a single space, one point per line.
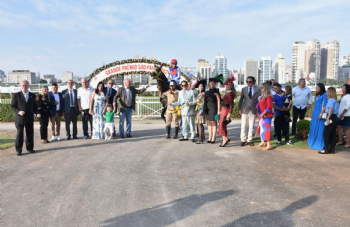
148 180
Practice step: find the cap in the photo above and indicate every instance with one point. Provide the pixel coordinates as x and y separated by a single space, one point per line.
172 83
174 61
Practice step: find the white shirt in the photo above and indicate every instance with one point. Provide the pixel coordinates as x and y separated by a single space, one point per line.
26 95
57 99
302 97
84 95
345 105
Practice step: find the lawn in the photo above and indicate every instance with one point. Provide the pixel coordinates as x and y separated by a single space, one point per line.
6 142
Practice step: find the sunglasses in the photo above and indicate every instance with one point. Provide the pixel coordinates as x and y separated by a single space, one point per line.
183 85
261 87
110 83
249 82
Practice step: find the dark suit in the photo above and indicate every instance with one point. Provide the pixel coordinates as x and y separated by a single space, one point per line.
71 113
27 120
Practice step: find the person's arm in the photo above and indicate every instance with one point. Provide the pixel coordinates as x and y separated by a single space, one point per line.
232 99
193 102
91 112
310 98
52 100
219 102
269 104
14 105
240 103
38 101
141 90
35 110
347 107
116 97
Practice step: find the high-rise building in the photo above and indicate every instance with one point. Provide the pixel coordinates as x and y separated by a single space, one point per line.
3 77
265 69
330 60
220 65
251 68
203 69
280 69
67 75
298 60
49 78
288 74
312 57
344 69
17 76
345 60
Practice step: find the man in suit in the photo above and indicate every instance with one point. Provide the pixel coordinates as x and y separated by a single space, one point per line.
247 109
111 92
24 105
56 110
187 100
70 109
127 99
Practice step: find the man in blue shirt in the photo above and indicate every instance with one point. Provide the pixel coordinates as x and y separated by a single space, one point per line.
278 105
302 101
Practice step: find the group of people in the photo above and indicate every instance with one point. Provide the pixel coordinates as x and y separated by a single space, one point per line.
195 104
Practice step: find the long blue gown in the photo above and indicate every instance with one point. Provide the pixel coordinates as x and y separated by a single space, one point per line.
315 139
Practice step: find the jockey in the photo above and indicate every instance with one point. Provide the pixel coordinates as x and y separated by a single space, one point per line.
174 72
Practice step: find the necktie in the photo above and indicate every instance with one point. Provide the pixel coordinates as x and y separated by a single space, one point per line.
109 92
250 93
71 99
26 97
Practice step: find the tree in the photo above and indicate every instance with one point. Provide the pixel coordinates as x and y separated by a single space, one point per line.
291 83
43 82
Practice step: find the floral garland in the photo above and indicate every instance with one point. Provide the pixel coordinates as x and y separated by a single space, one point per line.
116 63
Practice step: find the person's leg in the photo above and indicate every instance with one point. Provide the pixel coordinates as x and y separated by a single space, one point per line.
128 120
75 122
121 122
286 130
244 122
29 135
85 119
302 113
52 125
326 137
46 124
251 122
333 134
41 122
347 133
58 124
295 119
210 130
19 138
67 118
215 127
191 120
185 127
278 127
340 134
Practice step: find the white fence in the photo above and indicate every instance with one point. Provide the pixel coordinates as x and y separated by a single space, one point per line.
5 101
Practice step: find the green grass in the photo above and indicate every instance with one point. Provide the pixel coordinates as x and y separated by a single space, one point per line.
6 142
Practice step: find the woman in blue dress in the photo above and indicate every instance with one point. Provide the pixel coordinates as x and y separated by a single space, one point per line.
315 139
98 103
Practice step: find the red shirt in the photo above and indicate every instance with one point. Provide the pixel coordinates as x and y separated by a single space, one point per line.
266 105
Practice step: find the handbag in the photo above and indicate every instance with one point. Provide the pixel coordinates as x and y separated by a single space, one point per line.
324 116
226 122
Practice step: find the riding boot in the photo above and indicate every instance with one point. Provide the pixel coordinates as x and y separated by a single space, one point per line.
176 132
167 131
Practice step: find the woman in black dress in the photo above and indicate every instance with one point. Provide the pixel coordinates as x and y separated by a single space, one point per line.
212 102
44 112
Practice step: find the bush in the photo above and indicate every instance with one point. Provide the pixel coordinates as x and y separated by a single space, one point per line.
303 125
8 115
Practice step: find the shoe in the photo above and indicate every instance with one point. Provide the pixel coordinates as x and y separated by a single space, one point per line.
121 136
167 129
290 143
86 137
176 133
183 139
242 144
75 138
199 142
47 141
43 141
128 135
58 138
68 137
323 152
278 143
110 138
267 148
53 138
224 145
212 142
32 151
194 140
18 153
292 134
250 144
106 138
262 144
208 141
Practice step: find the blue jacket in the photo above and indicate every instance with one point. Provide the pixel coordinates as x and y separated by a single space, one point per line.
52 103
111 97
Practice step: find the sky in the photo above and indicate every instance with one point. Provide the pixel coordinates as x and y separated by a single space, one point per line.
51 37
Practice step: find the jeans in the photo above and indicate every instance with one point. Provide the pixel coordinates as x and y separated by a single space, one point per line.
297 113
122 115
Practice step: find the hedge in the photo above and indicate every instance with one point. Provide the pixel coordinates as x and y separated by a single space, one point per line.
8 115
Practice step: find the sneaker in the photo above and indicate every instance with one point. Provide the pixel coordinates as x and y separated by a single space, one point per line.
106 138
278 143
53 138
110 138
86 137
58 138
290 143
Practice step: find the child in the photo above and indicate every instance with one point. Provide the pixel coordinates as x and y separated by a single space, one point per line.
109 126
288 101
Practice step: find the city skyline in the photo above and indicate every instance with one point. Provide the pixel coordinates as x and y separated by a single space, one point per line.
81 36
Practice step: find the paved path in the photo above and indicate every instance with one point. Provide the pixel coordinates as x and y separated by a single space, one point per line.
150 181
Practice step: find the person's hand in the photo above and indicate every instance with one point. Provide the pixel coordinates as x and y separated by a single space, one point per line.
341 116
147 86
38 115
80 109
90 112
284 108
114 104
327 122
319 117
200 114
228 117
187 104
56 103
21 113
63 113
240 112
218 112
308 107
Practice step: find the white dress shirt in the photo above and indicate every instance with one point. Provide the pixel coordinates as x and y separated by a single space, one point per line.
26 95
84 95
345 105
57 99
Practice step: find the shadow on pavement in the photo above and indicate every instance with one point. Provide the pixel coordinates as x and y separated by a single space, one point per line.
282 217
168 213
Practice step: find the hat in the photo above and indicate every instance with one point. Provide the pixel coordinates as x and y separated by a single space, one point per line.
204 82
220 78
174 61
172 83
229 79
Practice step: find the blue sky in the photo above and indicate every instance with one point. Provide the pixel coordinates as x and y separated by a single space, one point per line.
79 36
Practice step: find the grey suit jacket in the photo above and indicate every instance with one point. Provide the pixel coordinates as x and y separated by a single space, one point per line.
121 94
191 99
66 101
245 103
